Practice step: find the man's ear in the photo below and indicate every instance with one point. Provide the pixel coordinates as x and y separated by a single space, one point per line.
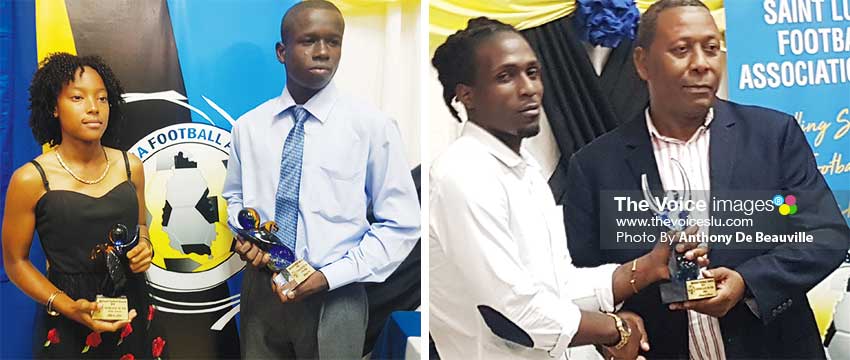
280 50
639 59
464 94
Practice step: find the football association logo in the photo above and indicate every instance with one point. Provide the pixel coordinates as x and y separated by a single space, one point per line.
185 165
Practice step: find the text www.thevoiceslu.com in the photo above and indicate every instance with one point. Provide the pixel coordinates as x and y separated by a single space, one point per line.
683 223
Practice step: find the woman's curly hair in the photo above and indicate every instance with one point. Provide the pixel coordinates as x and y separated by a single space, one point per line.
54 73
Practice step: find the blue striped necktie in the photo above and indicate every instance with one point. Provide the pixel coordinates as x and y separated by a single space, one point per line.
286 199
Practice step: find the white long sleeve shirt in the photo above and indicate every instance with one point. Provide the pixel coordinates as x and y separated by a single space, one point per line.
497 240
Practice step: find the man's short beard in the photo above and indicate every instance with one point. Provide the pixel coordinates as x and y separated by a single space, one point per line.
530 131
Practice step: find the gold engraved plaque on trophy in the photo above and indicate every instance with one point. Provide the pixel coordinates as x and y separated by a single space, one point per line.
701 289
112 309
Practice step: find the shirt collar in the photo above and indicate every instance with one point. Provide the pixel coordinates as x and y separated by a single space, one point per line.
518 162
319 105
653 131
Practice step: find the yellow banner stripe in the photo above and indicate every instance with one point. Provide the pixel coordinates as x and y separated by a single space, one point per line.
52 32
53 28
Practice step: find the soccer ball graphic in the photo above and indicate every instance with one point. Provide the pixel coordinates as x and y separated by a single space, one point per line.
190 213
186 213
185 166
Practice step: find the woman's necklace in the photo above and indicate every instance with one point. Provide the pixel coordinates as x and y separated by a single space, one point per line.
84 181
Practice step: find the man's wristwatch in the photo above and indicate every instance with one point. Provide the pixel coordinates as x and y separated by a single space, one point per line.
623 329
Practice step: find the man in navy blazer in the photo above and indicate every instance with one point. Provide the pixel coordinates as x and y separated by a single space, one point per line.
761 304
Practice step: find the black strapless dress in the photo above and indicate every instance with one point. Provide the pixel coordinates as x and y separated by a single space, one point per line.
70 225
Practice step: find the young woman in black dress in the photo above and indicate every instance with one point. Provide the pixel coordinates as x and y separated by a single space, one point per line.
72 195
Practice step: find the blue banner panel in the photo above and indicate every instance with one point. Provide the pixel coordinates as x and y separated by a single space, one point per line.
794 56
227 54
17 146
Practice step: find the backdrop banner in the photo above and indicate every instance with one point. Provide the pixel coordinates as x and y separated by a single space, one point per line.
794 56
189 68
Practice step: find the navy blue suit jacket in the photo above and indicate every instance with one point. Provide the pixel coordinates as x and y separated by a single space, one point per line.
751 148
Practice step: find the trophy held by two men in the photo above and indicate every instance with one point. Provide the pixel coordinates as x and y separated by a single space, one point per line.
684 283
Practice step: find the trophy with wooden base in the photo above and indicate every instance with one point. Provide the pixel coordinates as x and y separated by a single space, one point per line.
684 283
289 272
113 305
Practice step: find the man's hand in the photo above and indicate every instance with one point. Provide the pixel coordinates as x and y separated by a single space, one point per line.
730 290
660 254
315 283
140 257
251 253
638 341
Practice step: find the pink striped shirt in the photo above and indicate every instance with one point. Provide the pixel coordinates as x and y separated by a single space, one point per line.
704 338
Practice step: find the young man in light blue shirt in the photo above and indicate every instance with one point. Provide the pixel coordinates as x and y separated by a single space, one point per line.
313 160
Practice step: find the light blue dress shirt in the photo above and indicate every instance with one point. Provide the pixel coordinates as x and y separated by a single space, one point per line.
353 158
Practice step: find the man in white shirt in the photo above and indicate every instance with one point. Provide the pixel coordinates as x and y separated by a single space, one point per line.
501 280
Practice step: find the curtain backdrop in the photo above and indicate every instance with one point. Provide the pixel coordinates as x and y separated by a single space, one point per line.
382 45
581 105
447 16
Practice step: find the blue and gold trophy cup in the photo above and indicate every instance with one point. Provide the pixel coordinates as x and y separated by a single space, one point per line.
114 254
289 272
684 283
